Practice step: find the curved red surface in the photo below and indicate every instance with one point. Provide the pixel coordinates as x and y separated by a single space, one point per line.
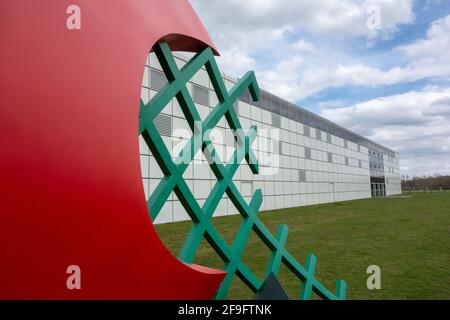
70 183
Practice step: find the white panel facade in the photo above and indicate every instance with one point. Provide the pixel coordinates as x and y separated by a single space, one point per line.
299 164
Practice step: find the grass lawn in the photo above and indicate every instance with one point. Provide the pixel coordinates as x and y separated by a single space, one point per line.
408 237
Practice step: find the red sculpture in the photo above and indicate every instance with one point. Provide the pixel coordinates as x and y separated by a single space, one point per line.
70 185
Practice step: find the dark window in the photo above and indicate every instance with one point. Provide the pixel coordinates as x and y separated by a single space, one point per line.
301 175
307 153
157 80
318 134
306 130
200 95
163 124
276 120
330 157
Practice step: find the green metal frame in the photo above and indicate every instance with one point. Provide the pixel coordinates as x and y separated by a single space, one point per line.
173 170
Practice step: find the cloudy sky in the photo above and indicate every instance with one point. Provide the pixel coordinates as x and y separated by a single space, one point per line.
378 67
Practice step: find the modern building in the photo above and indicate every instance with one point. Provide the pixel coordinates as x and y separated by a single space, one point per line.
304 159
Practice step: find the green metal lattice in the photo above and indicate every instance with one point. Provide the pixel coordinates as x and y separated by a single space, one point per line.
173 181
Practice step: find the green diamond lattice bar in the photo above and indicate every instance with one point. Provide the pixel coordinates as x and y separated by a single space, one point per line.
173 170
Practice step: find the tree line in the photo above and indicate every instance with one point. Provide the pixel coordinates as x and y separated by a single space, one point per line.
437 182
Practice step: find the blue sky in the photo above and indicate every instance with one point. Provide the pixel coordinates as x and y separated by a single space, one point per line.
381 53
378 67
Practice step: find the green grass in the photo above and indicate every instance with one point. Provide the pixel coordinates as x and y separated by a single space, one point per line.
409 238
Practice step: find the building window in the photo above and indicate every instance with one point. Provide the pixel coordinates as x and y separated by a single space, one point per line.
157 79
276 120
330 157
306 130
307 153
200 95
302 175
346 161
163 124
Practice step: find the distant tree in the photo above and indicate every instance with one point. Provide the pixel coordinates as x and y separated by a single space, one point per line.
436 182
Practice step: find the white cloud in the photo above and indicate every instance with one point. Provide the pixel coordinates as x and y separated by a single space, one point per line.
344 18
303 45
332 104
426 58
416 124
299 48
264 28
237 61
435 46
316 79
255 34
